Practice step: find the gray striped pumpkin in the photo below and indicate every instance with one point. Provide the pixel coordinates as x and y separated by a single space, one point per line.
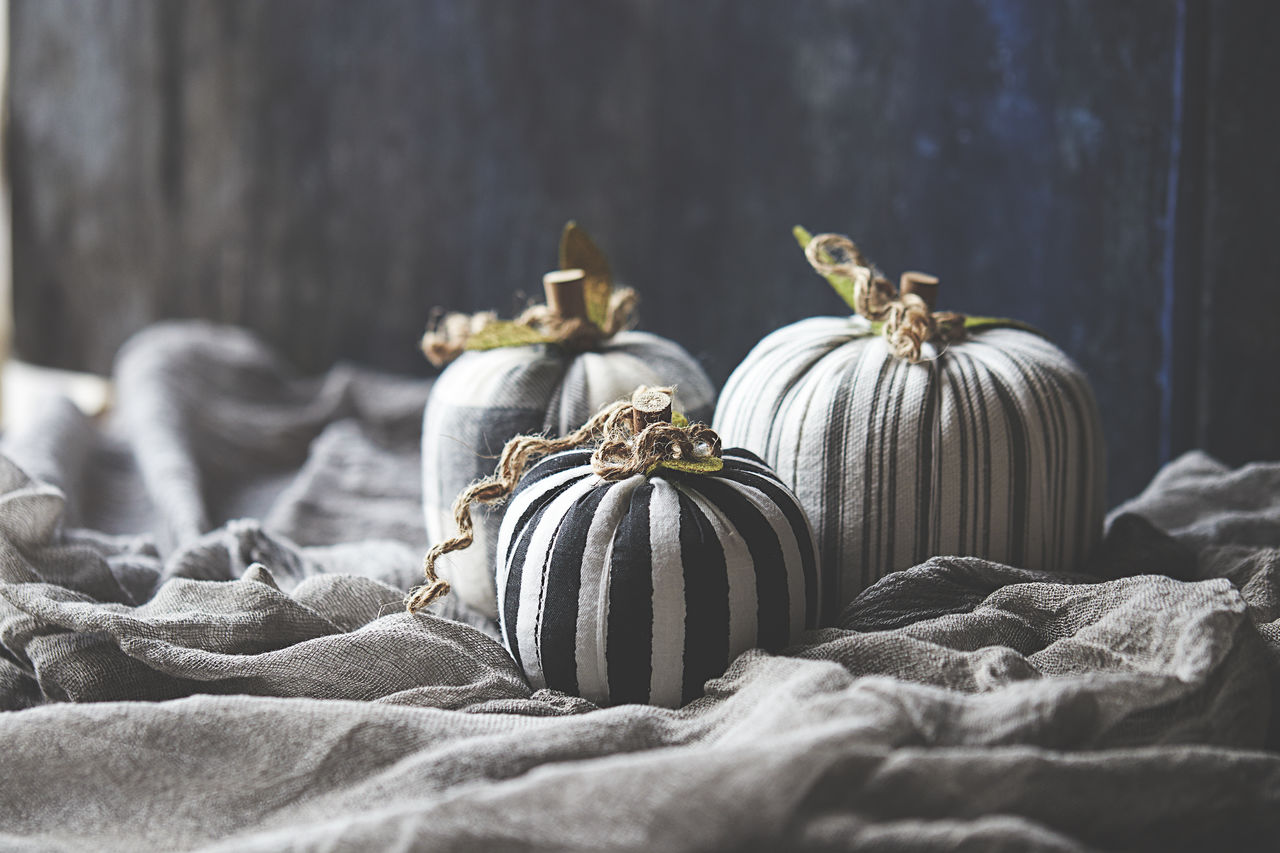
989 447
486 397
641 589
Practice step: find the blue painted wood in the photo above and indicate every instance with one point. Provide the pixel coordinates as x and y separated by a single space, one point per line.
327 172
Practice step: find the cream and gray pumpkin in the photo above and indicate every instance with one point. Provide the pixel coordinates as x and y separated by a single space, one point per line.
486 397
641 589
991 446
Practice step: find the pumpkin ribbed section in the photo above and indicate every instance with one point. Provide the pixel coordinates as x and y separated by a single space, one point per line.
993 448
640 590
485 398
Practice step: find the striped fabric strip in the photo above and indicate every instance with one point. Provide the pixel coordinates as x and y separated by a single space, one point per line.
993 448
641 590
485 398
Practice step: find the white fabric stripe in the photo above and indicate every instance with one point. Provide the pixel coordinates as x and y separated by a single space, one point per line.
740 569
861 432
533 578
515 509
593 592
666 681
913 389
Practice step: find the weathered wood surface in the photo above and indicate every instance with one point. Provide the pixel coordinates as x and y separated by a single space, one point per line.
327 172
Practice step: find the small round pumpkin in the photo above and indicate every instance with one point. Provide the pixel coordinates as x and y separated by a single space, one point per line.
635 569
909 433
548 374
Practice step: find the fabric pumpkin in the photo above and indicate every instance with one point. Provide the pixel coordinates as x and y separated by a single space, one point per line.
987 443
492 392
640 590
637 559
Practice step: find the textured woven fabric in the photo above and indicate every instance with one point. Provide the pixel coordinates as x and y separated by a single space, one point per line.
642 589
219 706
485 398
992 448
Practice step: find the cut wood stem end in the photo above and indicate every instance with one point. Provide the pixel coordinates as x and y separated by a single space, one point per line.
921 284
649 406
566 293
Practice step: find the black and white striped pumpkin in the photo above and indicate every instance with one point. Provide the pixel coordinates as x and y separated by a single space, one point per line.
641 589
989 446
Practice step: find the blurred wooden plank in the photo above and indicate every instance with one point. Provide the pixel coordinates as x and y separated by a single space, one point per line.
6 233
1239 394
326 172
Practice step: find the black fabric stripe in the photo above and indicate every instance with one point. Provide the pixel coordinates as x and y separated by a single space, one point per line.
773 600
515 572
555 403
629 639
836 475
517 552
890 440
954 378
982 485
706 599
536 505
870 510
1019 455
925 521
553 464
775 491
743 453
559 635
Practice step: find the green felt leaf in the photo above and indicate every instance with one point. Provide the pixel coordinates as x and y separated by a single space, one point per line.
579 251
689 466
843 285
505 334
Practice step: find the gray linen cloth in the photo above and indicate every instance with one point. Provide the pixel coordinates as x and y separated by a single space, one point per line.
203 647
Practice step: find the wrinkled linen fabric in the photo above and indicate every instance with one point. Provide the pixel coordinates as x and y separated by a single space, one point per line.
203 647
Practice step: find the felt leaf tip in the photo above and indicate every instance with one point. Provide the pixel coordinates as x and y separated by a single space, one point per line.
842 285
505 334
579 251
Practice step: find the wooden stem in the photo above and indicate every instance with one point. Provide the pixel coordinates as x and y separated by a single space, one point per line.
566 293
921 284
649 406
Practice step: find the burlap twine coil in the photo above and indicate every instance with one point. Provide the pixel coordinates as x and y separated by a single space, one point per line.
908 316
633 437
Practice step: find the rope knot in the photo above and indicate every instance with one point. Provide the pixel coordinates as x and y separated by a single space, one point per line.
906 312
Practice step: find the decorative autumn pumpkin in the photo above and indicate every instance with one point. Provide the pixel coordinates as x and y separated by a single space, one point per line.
547 371
636 568
909 433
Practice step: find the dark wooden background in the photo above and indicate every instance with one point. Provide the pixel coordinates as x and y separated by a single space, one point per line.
326 172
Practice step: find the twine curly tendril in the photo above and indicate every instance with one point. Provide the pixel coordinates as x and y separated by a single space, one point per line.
909 319
448 339
633 437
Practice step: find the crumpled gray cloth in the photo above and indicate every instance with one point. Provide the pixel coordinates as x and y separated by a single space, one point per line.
203 647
